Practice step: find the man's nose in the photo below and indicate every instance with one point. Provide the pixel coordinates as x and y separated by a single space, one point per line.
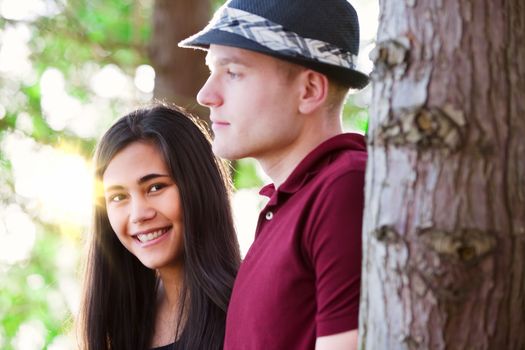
209 95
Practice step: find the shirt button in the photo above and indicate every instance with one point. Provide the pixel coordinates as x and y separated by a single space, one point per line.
269 215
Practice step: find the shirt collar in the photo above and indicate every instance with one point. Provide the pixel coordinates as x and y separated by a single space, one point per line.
313 163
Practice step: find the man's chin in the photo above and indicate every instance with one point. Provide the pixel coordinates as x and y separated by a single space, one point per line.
223 153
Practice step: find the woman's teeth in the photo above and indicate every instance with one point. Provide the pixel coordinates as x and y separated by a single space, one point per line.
146 237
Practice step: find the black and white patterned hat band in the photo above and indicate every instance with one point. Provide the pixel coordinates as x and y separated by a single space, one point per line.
274 37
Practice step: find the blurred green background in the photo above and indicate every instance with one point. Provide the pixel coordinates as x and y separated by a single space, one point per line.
68 69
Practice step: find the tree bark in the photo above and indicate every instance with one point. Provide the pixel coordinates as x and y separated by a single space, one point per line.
444 229
179 73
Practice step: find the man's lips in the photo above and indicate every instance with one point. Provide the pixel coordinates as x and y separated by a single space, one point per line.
218 122
219 126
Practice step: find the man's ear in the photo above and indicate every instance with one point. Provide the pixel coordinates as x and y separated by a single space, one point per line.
314 91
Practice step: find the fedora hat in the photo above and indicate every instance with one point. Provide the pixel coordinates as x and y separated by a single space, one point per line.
321 35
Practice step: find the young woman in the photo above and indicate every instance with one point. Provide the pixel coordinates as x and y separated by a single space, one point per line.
163 253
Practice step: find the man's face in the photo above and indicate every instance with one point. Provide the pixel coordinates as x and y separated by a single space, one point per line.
253 104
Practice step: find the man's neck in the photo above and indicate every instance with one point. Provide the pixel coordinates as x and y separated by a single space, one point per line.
281 164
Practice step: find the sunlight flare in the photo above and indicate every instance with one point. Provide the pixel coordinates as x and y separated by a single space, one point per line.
56 181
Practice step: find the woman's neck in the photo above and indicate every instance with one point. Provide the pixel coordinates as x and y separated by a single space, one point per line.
171 279
168 307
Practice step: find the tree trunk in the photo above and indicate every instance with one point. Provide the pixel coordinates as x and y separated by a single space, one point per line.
444 229
180 73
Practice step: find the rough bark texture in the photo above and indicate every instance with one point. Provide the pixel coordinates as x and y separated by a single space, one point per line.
444 232
180 73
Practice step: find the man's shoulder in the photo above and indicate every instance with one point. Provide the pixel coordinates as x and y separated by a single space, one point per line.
351 160
345 164
347 154
343 178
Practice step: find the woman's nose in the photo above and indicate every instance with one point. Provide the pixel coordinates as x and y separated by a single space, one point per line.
141 211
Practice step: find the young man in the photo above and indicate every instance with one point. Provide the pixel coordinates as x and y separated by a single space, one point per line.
280 72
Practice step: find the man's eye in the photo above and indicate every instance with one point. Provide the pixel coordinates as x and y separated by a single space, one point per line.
232 74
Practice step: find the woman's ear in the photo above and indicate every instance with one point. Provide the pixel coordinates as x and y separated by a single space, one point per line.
314 91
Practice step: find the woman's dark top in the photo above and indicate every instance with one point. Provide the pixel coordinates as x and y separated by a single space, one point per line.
172 346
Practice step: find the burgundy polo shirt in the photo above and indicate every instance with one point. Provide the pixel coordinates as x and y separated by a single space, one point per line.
301 277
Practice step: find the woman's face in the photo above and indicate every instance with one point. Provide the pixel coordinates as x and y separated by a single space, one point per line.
143 205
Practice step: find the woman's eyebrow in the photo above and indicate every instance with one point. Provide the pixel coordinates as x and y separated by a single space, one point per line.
148 177
140 181
113 188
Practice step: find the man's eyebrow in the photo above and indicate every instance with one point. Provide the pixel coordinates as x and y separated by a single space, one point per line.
142 180
226 60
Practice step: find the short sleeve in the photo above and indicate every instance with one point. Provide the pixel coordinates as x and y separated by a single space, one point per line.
333 244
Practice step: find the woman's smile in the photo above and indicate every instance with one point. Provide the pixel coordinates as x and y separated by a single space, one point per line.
152 236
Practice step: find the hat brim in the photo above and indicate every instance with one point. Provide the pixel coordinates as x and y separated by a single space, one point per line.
349 77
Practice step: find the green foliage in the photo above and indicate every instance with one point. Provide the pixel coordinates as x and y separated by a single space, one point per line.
31 291
245 174
355 117
215 4
78 40
101 31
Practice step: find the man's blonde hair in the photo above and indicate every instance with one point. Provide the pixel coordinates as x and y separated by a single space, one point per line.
337 93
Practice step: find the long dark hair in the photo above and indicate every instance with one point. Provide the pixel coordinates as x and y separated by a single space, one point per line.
118 310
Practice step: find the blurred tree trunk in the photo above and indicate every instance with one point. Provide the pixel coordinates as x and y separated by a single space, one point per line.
444 231
179 72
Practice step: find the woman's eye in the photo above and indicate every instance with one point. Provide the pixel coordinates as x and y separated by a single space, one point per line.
156 187
117 198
